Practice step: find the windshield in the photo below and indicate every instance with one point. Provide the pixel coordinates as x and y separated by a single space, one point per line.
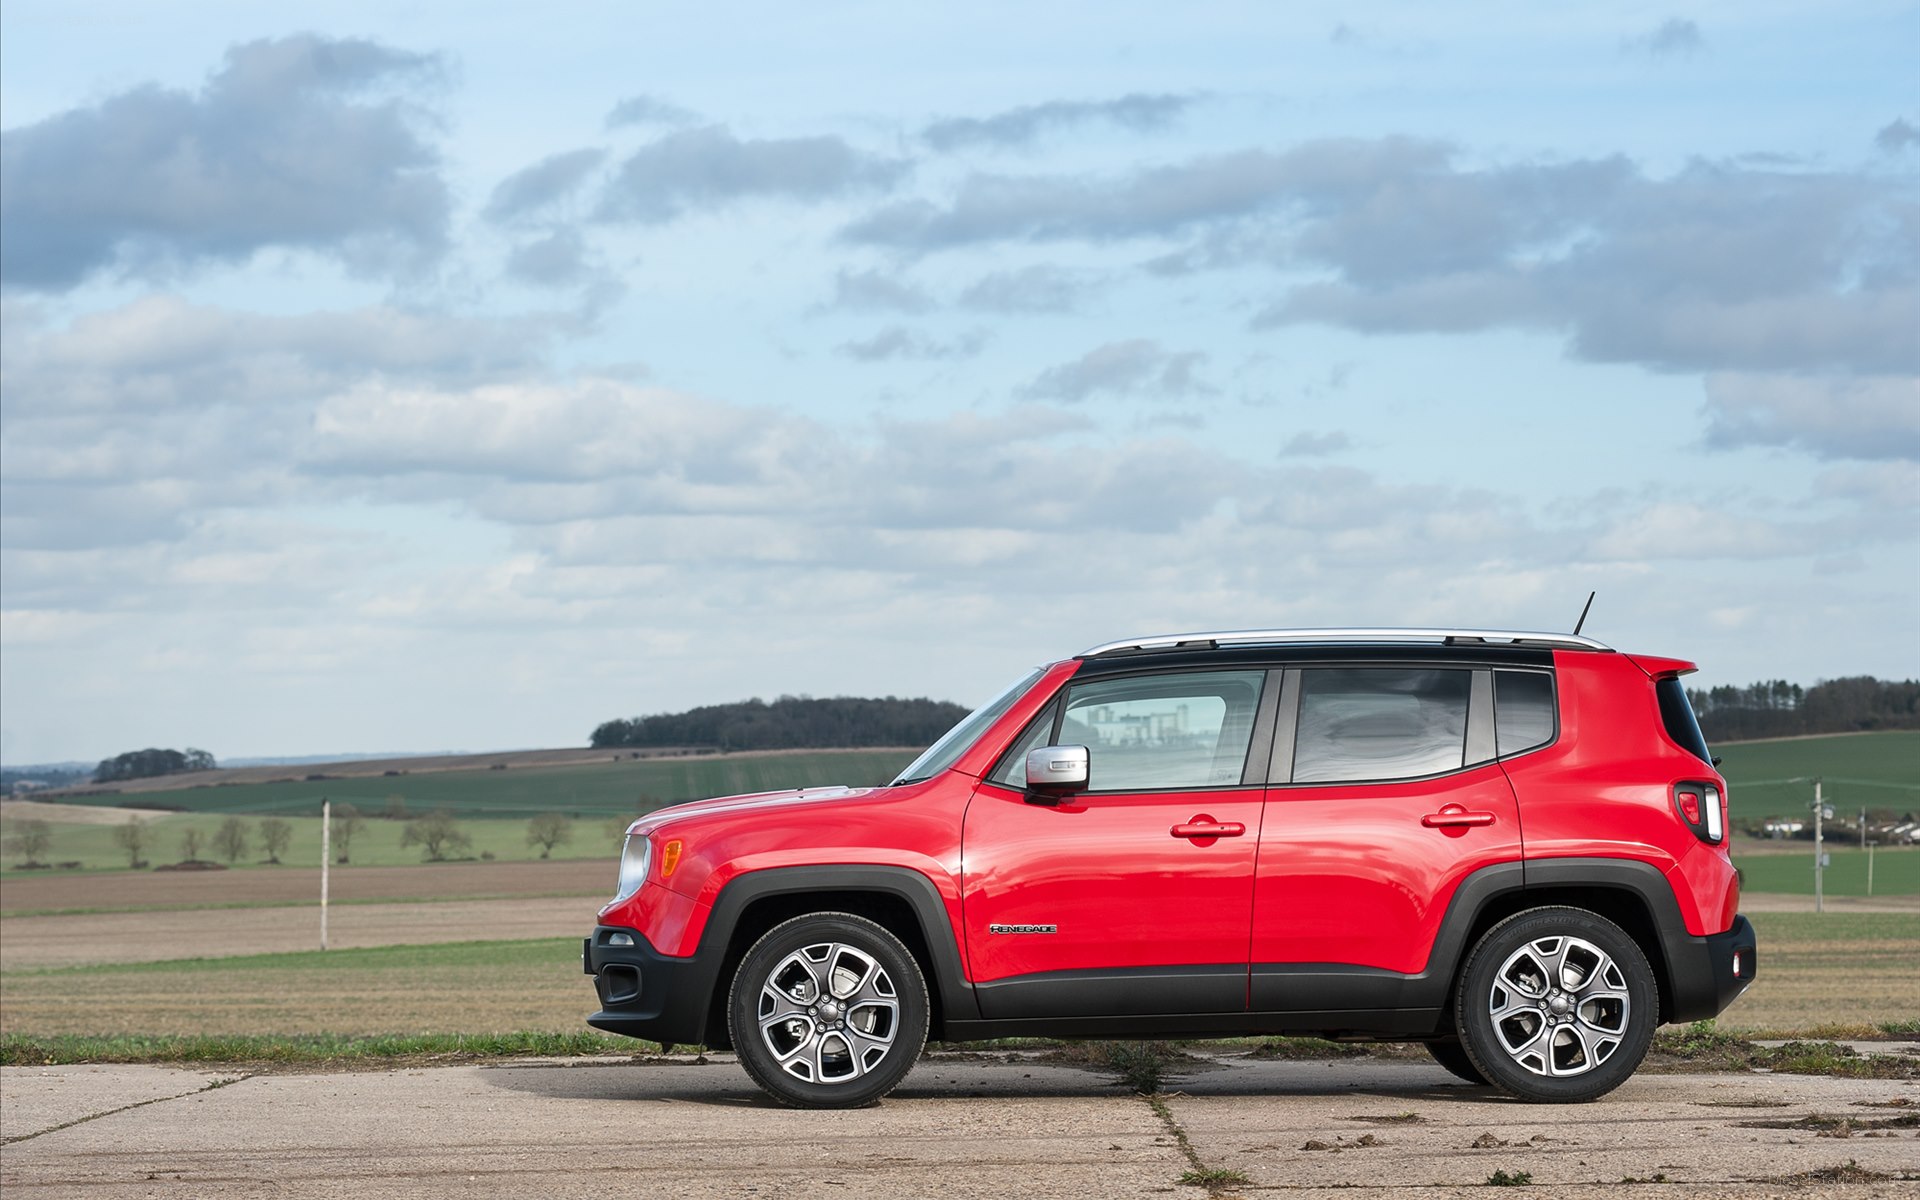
944 752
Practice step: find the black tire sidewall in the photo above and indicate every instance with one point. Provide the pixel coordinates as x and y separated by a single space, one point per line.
773 947
1481 1042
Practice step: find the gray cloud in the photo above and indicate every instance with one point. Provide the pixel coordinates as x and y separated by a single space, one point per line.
900 342
533 188
1035 289
876 291
1316 445
1897 135
648 110
1870 418
281 147
557 260
710 166
1136 111
1137 367
1673 38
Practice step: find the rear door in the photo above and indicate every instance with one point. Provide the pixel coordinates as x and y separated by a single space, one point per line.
1385 795
1132 897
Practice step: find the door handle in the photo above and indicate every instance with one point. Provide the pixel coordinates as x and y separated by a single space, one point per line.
1206 827
1455 815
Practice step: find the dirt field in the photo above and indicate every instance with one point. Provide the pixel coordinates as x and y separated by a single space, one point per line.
297 885
34 943
73 814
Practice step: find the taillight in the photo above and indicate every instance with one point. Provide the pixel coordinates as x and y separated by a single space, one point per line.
1698 807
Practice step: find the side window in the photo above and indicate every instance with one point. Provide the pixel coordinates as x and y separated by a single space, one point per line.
1380 723
1164 731
1013 768
1523 710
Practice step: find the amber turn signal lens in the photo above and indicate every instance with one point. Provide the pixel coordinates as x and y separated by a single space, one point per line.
669 857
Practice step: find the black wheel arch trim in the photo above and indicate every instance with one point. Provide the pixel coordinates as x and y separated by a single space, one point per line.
947 977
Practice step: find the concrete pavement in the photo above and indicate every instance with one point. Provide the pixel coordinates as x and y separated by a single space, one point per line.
959 1127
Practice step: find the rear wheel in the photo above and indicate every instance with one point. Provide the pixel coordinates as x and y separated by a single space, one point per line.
1556 1004
828 1011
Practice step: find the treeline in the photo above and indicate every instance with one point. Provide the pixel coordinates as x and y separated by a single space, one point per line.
789 723
145 764
1776 708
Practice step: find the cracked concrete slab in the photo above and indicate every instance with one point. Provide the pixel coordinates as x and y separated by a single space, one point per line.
34 1100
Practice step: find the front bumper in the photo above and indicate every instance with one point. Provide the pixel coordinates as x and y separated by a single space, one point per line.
1709 973
643 993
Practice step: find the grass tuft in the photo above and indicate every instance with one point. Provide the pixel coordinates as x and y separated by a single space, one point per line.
1213 1177
1502 1179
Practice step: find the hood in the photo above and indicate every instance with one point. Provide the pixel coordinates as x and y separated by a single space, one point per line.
662 817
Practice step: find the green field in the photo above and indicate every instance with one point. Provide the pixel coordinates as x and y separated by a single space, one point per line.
1896 871
377 845
607 789
1860 770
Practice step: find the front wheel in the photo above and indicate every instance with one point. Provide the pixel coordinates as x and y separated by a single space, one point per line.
828 1011
1556 1005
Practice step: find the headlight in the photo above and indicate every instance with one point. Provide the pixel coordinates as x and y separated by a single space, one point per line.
634 860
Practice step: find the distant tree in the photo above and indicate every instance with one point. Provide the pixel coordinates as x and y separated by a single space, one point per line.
548 830
149 763
347 821
790 722
29 841
436 833
275 833
230 840
190 839
396 807
131 837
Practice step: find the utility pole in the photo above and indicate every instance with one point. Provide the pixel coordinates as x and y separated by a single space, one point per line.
326 860
1819 854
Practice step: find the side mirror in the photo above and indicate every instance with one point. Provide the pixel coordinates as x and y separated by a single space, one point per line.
1053 771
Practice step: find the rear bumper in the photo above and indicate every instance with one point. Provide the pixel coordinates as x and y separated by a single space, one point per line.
1709 973
643 993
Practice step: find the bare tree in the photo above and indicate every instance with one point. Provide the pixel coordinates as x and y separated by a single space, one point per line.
548 830
230 840
275 833
347 821
131 837
190 839
30 840
437 833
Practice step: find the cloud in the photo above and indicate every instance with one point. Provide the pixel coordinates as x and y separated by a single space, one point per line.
648 110
1675 37
1136 111
1035 289
533 188
1896 136
876 291
1137 367
900 342
282 147
1316 445
557 260
1858 418
706 167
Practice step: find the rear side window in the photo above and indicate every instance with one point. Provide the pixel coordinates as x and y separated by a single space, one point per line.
1380 723
1523 710
1678 717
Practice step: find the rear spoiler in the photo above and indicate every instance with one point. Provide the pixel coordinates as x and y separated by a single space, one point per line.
1662 668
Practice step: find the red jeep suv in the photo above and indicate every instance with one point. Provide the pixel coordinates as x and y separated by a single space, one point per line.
1508 846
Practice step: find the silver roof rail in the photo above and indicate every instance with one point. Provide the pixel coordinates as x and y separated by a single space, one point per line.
1283 637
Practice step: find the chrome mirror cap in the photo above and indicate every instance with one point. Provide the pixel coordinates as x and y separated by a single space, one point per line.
1053 768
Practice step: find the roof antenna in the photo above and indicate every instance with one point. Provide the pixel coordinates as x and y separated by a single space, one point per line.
1582 622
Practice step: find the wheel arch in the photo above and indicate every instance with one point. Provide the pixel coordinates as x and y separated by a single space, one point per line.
900 900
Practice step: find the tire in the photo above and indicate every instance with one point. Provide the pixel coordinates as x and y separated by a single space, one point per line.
1452 1056
828 1010
1564 1039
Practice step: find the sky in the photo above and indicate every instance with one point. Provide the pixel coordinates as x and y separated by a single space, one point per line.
414 377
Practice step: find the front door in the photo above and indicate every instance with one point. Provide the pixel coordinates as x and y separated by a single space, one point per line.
1132 897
